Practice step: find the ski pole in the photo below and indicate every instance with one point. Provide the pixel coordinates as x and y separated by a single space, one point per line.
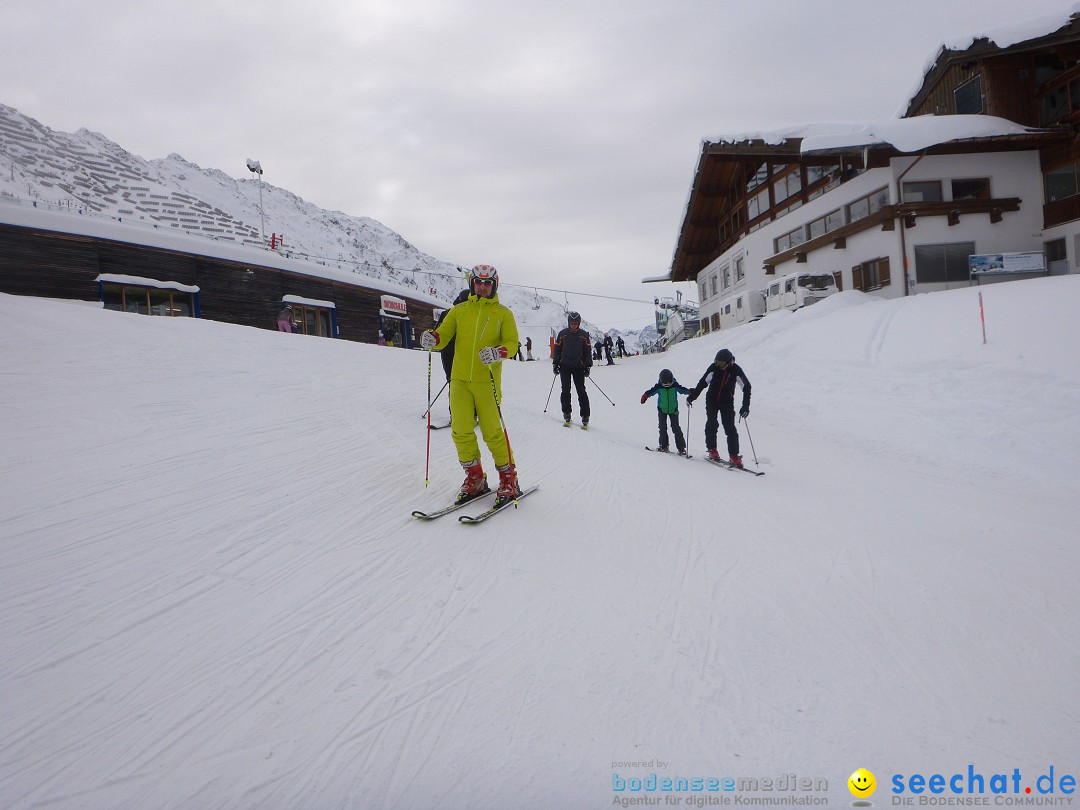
601 390
746 424
427 464
686 438
431 402
506 434
549 392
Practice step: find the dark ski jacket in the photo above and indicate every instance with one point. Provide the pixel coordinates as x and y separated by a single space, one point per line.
668 399
721 383
573 349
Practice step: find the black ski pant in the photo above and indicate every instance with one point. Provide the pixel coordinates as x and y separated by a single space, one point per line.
726 412
680 441
578 375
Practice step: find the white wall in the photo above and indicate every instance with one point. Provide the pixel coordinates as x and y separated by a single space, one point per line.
1012 174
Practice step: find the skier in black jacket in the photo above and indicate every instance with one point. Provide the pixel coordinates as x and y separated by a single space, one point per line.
573 360
720 377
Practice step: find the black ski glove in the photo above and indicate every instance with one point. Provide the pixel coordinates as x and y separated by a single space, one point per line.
587 370
554 368
745 410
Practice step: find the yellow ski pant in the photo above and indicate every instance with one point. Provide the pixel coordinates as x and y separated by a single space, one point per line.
470 401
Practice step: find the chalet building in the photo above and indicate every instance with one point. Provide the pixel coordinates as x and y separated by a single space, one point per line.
984 161
141 269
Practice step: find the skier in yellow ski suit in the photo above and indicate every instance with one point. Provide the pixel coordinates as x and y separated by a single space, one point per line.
484 334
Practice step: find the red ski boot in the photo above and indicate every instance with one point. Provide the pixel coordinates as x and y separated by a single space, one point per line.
508 485
736 461
475 482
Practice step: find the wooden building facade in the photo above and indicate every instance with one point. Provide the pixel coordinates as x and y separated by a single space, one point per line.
55 264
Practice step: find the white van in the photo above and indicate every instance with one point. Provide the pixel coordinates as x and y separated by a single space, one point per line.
747 306
797 290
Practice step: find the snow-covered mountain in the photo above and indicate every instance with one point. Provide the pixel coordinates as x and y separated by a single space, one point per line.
88 172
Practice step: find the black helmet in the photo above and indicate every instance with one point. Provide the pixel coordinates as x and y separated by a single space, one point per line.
573 317
724 356
667 378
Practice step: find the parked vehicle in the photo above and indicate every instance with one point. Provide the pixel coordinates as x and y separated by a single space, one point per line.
744 307
797 290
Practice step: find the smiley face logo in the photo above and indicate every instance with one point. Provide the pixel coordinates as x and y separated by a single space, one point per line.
862 783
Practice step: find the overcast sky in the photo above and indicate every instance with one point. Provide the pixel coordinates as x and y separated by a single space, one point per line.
556 140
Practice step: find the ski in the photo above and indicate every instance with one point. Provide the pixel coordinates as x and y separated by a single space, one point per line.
658 450
719 462
440 427
496 509
446 510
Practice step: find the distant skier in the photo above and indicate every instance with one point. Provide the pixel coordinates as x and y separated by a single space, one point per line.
573 361
484 331
667 409
528 347
620 344
609 344
598 350
720 377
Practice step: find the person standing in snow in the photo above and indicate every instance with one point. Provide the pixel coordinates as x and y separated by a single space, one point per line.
620 344
573 361
720 377
667 409
284 319
528 348
484 331
608 345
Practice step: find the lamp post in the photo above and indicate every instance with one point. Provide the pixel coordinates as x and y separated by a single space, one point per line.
256 168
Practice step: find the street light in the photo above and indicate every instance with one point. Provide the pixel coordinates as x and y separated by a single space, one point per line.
256 168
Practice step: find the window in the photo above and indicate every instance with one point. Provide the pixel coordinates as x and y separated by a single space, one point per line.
1057 260
789 240
758 204
787 185
703 291
821 226
865 206
147 300
725 275
936 264
967 98
977 188
873 275
816 173
715 321
1060 183
712 285
1054 106
740 269
922 191
760 176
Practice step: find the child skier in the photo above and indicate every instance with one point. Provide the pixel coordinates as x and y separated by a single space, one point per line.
667 409
721 377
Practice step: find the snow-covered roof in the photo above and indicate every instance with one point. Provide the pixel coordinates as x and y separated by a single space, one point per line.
121 278
914 134
905 134
1003 37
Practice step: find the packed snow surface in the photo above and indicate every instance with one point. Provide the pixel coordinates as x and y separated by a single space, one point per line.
212 593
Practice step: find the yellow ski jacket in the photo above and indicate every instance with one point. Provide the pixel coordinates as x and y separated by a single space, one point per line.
477 323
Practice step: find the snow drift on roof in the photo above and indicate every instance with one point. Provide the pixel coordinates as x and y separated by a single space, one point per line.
914 134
